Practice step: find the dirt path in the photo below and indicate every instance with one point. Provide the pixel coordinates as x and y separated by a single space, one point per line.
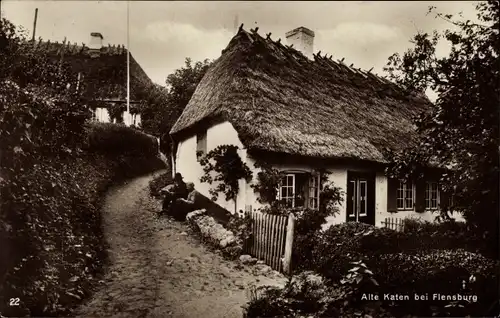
156 270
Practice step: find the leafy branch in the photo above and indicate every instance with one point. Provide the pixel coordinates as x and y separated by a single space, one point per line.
224 166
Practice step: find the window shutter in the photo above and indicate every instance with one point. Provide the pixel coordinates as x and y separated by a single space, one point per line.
392 191
420 195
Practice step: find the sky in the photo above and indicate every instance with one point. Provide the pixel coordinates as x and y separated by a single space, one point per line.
162 34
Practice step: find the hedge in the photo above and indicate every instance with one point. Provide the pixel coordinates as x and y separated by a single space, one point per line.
427 260
108 138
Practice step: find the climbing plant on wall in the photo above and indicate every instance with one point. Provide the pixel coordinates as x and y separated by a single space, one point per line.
224 166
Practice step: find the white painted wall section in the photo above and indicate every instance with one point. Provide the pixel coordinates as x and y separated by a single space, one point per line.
187 163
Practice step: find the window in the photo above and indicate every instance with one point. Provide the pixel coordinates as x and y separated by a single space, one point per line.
201 143
287 191
431 195
362 197
314 192
405 196
300 190
352 189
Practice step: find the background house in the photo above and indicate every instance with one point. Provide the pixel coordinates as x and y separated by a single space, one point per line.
302 112
101 77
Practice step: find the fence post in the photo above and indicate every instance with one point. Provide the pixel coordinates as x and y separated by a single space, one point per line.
287 262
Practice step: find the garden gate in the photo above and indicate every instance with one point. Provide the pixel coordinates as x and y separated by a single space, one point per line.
272 239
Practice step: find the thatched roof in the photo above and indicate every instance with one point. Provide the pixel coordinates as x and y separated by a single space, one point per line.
105 68
280 101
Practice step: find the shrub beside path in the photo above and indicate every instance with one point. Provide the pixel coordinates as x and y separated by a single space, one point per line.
157 270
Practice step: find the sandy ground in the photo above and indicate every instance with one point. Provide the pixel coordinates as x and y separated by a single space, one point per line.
157 270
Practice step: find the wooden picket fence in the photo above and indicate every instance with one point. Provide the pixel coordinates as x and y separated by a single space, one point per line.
272 239
394 224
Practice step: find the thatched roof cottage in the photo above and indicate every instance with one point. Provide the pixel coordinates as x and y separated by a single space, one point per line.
303 111
100 73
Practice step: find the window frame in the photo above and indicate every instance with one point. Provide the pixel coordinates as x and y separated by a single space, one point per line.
428 195
307 192
359 196
201 142
403 185
316 187
288 186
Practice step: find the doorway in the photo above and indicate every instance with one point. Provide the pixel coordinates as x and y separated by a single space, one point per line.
360 197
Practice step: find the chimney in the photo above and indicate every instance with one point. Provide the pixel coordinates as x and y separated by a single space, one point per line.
95 41
302 39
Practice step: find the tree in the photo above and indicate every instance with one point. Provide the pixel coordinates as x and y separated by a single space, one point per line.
461 130
163 106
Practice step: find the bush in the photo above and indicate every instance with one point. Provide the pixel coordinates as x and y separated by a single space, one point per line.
308 227
59 215
330 252
302 295
118 139
307 295
439 272
241 226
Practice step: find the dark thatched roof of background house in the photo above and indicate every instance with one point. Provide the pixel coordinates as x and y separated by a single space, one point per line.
278 100
104 72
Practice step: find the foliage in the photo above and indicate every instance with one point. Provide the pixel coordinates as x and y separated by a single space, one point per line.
445 272
380 271
307 295
159 183
115 139
38 114
268 181
56 205
228 167
461 129
164 105
330 196
241 226
116 112
358 274
60 207
332 250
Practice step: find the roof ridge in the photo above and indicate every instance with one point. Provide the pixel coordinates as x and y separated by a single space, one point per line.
328 64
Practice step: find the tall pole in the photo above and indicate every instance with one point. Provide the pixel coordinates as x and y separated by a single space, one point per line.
128 59
34 25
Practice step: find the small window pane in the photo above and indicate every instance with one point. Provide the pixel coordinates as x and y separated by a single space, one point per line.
434 195
400 203
363 206
362 188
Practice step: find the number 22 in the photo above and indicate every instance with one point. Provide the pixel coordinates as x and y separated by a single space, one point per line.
14 302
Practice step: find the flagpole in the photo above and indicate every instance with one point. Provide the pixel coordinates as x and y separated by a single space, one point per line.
34 25
128 59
